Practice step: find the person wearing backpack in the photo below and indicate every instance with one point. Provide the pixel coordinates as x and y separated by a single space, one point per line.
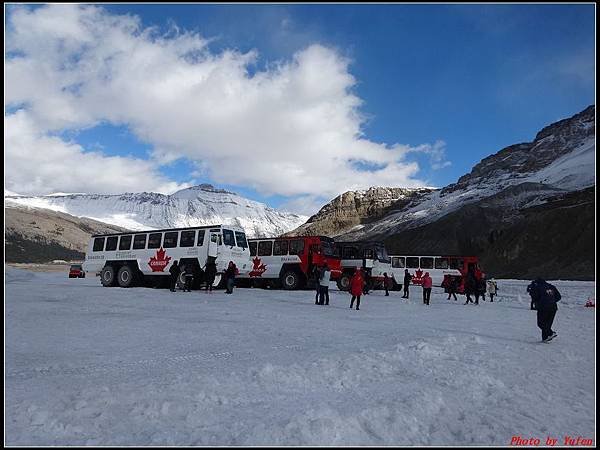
545 296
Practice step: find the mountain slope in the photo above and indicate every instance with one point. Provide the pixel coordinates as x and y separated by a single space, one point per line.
36 235
198 205
526 210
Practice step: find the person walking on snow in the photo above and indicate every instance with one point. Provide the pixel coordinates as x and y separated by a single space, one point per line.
407 278
174 270
324 285
470 286
210 272
357 283
545 296
449 285
427 284
492 288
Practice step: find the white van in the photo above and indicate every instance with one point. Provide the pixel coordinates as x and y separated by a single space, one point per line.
136 258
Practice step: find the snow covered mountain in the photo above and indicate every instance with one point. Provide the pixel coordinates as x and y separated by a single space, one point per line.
198 205
560 159
524 210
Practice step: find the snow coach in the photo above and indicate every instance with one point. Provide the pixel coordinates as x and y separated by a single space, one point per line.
439 268
370 255
145 257
289 262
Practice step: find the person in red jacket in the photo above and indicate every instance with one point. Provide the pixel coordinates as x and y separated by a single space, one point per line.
357 283
427 283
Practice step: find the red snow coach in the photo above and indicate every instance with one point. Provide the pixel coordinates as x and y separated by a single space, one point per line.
290 262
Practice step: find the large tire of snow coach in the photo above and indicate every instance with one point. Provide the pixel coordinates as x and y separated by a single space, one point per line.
126 276
290 280
108 276
343 283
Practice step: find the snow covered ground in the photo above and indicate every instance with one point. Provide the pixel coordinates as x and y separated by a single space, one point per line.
91 365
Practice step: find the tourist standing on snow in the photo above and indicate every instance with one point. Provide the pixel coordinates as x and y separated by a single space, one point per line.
357 283
316 274
471 286
188 277
230 274
387 283
407 278
545 296
492 288
427 284
210 272
174 271
324 285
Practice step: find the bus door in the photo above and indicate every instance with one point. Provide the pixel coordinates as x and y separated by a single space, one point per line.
213 245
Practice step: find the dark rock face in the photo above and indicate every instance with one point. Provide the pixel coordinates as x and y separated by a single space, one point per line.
357 207
553 240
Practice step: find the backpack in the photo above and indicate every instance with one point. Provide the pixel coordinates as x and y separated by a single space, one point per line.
549 294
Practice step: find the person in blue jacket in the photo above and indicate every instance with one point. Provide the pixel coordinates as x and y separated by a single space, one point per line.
545 296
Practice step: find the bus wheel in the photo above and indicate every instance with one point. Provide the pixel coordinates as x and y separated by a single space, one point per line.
290 280
125 276
107 276
344 282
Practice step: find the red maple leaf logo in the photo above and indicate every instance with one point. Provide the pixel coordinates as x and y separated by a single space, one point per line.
257 269
159 262
417 277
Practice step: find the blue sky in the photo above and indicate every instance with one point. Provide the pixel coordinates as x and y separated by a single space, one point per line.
477 77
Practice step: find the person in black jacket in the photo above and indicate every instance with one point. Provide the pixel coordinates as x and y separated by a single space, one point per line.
545 296
471 287
174 271
230 274
210 272
407 278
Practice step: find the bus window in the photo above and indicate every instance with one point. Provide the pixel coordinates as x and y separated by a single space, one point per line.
329 249
427 263
265 248
111 243
368 253
252 246
349 252
228 238
154 240
98 244
382 255
170 239
216 238
280 248
296 247
187 238
139 241
441 263
201 234
398 262
241 239
125 242
412 262
456 263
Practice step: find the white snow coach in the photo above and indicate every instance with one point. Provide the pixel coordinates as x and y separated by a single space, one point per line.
439 268
138 258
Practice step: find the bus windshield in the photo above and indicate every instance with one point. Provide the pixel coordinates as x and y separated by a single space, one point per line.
329 249
382 255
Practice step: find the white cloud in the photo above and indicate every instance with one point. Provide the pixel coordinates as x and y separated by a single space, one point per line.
293 129
41 164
